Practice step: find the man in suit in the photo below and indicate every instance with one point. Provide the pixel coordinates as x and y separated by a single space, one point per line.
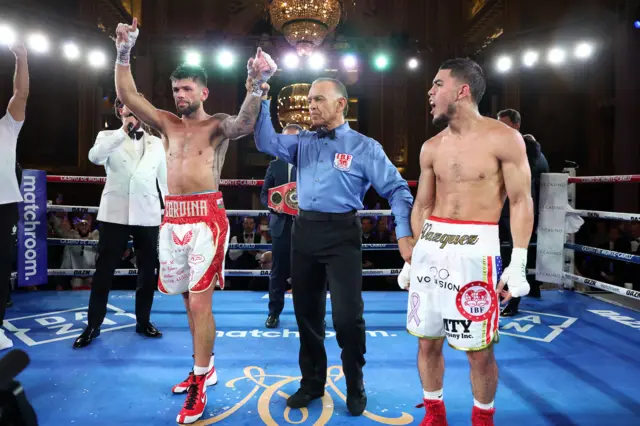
538 164
279 173
134 162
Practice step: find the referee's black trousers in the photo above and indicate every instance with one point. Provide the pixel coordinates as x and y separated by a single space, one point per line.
111 247
328 248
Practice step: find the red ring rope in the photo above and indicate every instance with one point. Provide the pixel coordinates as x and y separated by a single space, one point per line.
412 183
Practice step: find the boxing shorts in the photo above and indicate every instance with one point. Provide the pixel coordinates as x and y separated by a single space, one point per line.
455 269
193 241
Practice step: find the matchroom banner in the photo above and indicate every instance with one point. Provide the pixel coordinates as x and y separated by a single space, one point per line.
32 229
551 227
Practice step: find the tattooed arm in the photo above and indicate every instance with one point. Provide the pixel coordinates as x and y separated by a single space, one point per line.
237 126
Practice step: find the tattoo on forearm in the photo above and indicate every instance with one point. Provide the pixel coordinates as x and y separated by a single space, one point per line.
246 119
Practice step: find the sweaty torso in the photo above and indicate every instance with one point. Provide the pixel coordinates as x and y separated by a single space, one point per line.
469 180
195 155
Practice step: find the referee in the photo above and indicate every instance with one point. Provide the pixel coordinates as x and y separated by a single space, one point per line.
335 167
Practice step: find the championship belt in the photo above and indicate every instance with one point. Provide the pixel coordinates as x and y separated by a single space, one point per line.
286 196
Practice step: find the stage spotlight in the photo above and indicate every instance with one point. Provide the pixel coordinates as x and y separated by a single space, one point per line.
38 43
556 56
193 58
226 59
412 63
637 24
316 61
7 35
291 60
349 62
381 62
530 58
71 51
583 50
97 58
504 63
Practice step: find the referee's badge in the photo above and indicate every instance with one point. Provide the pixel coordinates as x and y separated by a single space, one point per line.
342 161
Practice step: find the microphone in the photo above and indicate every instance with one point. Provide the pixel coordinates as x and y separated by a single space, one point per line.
11 365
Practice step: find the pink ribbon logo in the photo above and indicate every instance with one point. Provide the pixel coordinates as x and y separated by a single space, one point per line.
415 304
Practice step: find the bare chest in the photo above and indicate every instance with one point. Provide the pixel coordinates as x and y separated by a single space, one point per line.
187 142
464 162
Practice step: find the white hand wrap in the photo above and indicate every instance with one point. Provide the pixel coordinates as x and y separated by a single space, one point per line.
404 278
264 76
124 50
515 275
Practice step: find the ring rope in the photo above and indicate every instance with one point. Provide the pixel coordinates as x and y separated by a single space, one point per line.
605 179
595 214
227 272
239 246
615 255
87 209
604 286
412 183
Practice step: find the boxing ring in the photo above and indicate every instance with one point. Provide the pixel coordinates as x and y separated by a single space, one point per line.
566 359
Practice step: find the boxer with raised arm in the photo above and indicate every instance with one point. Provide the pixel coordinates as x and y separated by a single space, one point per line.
195 231
467 170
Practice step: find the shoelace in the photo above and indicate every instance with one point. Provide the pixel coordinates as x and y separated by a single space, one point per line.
192 396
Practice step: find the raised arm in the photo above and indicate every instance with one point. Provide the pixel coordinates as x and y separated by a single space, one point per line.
512 154
259 71
126 90
388 182
18 102
426 194
272 143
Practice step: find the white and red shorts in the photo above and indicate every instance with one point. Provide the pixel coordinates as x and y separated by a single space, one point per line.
455 268
194 237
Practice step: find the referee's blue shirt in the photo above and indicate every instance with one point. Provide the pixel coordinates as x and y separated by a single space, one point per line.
333 175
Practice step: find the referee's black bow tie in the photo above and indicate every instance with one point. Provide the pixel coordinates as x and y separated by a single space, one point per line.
323 132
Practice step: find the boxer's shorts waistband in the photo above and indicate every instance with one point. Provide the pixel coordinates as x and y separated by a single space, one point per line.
191 208
462 237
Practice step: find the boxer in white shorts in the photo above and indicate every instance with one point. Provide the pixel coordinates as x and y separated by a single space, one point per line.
194 237
455 268
467 172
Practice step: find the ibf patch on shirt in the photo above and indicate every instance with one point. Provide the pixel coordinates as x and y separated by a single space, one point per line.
342 161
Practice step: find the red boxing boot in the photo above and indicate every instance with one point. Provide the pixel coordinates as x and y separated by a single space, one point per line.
436 413
196 401
482 417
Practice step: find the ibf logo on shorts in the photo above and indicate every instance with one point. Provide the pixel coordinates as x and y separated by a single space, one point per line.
51 327
477 301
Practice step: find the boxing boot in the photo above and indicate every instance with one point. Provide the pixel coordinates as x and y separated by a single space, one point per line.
196 400
436 414
211 379
482 417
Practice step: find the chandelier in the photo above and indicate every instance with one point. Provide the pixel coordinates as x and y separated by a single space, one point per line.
305 23
293 105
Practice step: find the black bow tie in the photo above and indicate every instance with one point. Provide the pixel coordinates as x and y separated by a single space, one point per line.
137 135
323 132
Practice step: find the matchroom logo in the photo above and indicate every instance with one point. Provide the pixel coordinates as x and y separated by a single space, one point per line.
289 334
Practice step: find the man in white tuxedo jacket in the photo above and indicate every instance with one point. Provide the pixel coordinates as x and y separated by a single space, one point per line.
130 206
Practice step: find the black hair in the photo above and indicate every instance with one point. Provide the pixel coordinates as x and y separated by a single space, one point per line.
513 115
469 72
194 72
